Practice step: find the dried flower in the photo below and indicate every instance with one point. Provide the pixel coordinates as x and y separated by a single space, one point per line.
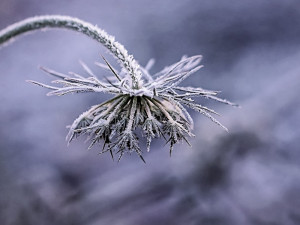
154 103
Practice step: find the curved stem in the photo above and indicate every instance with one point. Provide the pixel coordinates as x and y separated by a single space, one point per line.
56 21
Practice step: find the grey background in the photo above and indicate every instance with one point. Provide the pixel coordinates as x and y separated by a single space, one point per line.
251 52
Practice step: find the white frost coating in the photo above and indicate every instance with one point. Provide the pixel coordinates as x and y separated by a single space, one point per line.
57 21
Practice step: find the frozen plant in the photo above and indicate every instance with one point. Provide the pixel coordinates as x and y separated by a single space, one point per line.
154 103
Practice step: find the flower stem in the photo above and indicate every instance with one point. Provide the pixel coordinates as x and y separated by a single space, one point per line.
57 21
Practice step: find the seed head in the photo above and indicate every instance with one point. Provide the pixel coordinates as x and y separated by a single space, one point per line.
154 103
157 106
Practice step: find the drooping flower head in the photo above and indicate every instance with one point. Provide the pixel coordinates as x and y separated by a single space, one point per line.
152 104
157 107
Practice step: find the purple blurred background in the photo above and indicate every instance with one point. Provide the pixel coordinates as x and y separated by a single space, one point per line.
251 52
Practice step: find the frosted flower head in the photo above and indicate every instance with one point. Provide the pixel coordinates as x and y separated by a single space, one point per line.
157 106
154 104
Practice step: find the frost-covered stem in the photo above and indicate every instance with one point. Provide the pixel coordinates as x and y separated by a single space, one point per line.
164 111
147 107
107 111
117 109
56 21
131 117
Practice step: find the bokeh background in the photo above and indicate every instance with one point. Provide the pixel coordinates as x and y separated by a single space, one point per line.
250 175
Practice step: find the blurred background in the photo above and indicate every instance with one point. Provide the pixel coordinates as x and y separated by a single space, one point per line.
250 175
